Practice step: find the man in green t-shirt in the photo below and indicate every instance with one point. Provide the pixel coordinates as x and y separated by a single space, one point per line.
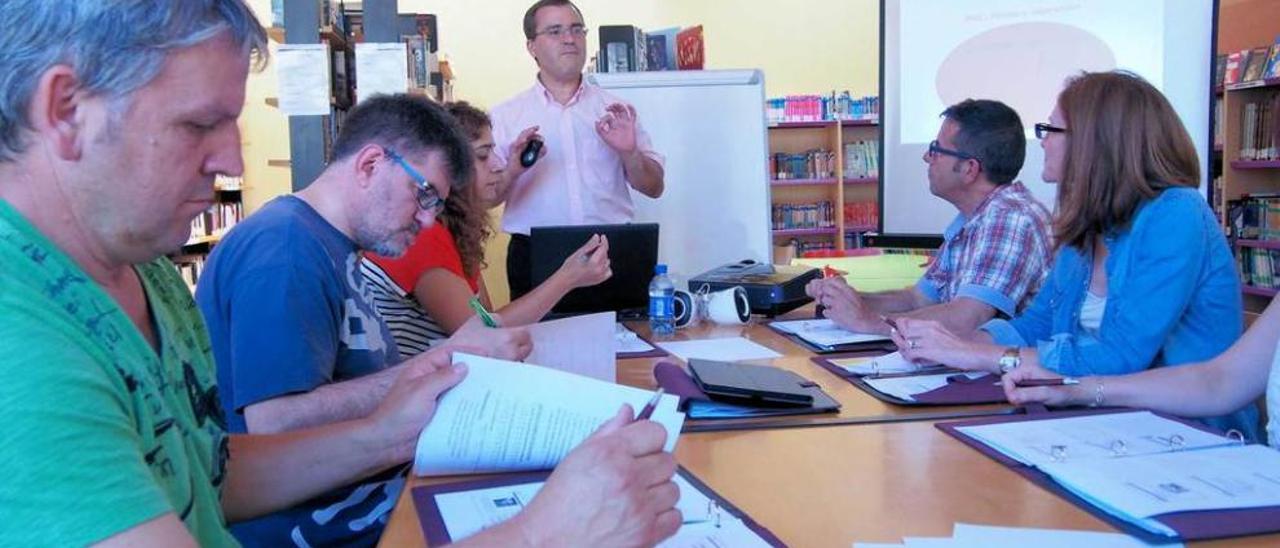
115 117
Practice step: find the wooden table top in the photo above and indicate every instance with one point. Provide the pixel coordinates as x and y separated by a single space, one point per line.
832 485
865 483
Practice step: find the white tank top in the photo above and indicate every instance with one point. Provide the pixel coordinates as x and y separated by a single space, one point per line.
1091 312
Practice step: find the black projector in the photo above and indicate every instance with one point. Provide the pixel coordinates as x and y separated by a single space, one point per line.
771 289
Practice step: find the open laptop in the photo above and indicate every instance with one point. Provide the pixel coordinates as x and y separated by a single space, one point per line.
633 252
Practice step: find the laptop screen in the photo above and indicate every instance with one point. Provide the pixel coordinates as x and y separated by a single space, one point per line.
633 252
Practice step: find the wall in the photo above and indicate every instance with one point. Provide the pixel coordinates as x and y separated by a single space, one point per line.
1247 23
810 46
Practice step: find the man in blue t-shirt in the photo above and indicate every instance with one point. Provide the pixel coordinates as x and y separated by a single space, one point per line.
295 334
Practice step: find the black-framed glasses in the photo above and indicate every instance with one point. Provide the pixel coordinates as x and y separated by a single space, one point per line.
935 149
1043 130
428 198
556 31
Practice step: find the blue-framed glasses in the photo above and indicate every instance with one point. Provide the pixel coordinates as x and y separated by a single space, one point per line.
428 198
1043 130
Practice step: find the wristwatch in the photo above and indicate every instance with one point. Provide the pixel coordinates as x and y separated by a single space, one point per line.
1011 359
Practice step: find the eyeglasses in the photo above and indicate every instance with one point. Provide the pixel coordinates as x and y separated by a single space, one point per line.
576 31
1043 130
428 198
935 149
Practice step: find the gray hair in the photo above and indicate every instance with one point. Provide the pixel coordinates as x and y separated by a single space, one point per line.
115 47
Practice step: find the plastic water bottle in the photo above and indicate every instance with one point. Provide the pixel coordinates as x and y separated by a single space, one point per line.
662 322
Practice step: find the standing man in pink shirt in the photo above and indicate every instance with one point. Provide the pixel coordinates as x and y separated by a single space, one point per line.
593 150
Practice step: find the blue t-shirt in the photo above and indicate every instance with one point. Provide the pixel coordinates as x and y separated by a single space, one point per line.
288 312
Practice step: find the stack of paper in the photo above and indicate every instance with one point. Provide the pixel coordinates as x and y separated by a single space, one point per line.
906 388
824 333
577 344
510 416
982 536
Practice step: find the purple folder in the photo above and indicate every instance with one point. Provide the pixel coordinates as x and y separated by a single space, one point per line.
1196 525
960 390
424 501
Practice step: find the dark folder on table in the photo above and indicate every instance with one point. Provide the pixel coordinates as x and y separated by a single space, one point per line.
699 405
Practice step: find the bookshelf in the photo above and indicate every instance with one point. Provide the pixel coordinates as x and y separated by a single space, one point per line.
1246 172
813 192
209 228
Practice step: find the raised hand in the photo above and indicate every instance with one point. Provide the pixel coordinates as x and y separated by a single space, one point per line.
618 128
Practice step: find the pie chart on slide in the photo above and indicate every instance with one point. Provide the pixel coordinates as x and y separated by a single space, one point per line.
1024 65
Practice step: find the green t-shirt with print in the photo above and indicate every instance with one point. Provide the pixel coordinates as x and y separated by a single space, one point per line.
98 434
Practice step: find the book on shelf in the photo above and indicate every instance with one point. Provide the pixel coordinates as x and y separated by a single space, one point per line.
818 108
1219 69
812 164
664 39
690 49
1257 141
862 159
803 216
1257 64
1236 62
1272 69
622 48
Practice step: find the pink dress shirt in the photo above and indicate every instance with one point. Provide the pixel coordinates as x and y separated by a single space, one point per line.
580 180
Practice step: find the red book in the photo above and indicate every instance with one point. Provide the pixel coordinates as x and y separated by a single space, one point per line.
690 49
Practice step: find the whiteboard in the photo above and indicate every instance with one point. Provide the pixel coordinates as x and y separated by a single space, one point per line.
710 126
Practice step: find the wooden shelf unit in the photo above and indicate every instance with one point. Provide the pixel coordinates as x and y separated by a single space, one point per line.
1242 178
799 137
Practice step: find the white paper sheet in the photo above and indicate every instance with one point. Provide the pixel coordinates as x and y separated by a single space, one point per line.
1208 479
887 364
303 74
1091 436
381 68
907 387
985 536
579 344
628 342
466 513
825 333
510 416
729 349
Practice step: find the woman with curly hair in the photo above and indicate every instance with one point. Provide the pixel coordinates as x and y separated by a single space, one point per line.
423 295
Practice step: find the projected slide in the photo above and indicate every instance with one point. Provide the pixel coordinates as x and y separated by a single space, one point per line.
937 53
1019 51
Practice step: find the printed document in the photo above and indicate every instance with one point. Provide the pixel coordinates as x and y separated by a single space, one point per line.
888 364
1091 436
509 416
303 74
577 344
907 388
628 342
825 333
466 513
1239 476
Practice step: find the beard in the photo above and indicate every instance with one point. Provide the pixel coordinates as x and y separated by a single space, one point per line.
384 241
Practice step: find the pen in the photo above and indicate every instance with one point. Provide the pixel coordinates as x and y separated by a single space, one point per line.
1064 381
892 324
480 311
647 411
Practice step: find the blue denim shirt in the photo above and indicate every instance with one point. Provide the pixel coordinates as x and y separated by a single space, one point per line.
1173 297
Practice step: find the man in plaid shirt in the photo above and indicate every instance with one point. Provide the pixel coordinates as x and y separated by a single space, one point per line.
995 252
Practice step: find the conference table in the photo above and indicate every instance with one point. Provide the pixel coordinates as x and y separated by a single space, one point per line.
874 472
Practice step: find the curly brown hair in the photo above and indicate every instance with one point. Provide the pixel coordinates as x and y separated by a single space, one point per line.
464 215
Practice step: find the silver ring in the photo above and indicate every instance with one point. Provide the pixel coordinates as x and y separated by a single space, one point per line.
912 344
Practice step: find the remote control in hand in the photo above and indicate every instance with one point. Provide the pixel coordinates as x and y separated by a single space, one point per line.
530 153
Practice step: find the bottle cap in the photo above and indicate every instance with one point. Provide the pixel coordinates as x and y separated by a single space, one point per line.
660 269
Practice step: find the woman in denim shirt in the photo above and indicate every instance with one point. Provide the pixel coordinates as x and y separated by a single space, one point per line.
1142 277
